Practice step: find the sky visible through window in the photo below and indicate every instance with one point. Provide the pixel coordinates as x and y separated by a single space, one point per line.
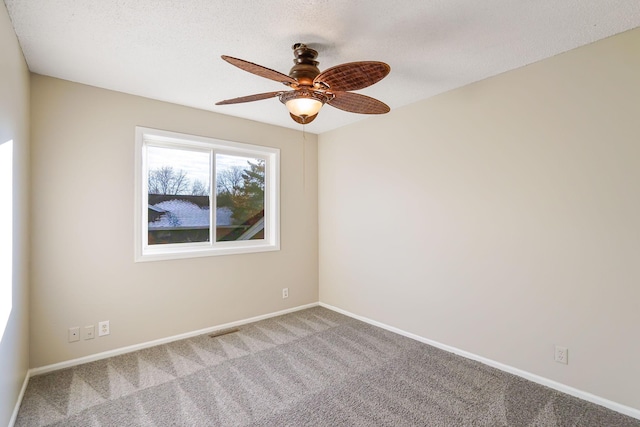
194 163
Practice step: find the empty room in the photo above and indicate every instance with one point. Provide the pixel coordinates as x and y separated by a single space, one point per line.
319 213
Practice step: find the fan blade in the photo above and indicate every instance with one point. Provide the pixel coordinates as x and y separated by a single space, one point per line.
356 103
353 75
259 70
250 98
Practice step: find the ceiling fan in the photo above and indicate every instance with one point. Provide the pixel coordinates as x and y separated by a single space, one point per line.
311 89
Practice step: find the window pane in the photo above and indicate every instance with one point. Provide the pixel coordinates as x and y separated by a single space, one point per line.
179 209
239 198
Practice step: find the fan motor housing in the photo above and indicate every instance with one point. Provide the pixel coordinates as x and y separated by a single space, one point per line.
305 67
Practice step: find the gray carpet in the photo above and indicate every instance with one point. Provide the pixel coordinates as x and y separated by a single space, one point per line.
310 368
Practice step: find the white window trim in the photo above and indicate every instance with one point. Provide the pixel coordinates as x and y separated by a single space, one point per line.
271 242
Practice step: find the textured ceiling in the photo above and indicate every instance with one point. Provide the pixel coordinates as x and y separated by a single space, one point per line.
170 50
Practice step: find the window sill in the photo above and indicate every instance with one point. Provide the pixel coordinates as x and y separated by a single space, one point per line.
222 248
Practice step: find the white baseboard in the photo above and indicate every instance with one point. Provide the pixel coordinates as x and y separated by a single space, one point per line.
14 416
623 409
131 348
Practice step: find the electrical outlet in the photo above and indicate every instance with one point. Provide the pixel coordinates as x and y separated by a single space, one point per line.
89 332
74 334
103 328
562 355
285 293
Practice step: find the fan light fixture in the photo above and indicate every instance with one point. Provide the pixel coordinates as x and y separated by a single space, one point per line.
303 103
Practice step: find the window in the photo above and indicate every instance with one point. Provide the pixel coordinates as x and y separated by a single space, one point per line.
199 196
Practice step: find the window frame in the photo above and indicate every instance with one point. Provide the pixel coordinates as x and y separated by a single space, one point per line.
145 137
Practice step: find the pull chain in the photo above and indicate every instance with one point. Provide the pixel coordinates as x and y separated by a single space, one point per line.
304 145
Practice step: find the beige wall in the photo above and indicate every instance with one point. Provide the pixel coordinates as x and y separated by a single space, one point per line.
83 268
14 126
501 218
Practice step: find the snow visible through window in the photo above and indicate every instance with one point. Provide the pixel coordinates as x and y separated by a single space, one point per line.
180 213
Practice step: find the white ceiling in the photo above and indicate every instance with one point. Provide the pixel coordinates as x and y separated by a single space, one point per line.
170 50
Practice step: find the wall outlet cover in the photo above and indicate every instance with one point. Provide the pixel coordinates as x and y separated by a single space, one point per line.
103 328
89 332
562 355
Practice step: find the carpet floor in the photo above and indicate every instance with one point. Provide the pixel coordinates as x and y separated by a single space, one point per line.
313 367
